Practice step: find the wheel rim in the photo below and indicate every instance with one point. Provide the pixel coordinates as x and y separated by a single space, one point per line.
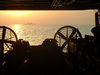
64 35
7 37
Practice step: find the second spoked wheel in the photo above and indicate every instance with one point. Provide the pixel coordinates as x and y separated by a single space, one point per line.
64 35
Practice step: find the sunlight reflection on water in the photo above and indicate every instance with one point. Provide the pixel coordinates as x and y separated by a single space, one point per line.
36 34
17 29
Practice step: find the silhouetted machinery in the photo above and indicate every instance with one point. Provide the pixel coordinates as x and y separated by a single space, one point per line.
18 57
67 46
82 54
7 39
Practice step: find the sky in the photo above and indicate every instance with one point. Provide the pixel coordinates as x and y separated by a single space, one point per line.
48 17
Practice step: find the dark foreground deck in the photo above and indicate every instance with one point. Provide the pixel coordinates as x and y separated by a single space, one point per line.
38 61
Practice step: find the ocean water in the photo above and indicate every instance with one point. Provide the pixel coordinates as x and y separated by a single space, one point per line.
36 34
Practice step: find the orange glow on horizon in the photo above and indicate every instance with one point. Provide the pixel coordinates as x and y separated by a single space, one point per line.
21 13
17 13
42 17
20 17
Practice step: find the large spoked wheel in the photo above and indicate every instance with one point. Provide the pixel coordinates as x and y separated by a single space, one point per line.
7 38
64 35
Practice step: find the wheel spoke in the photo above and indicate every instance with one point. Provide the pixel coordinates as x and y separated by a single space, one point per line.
73 32
7 41
59 41
64 44
9 38
66 35
7 45
4 33
60 34
67 32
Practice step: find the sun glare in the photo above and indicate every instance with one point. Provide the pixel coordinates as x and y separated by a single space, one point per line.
17 29
22 13
17 11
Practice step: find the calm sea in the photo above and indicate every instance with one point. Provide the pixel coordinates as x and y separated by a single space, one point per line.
36 34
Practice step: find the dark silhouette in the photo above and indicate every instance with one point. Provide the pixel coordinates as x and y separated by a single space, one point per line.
46 59
26 60
53 56
96 31
15 58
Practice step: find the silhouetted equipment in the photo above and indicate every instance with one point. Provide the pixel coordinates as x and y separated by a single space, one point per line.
53 56
7 39
47 58
21 58
16 58
68 48
49 4
82 54
66 34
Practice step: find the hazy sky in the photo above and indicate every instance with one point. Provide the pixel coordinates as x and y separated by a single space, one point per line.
81 17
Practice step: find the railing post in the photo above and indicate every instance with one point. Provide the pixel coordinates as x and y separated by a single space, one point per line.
97 18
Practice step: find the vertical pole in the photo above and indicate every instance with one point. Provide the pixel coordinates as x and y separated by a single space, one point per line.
96 19
99 17
2 50
59 40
